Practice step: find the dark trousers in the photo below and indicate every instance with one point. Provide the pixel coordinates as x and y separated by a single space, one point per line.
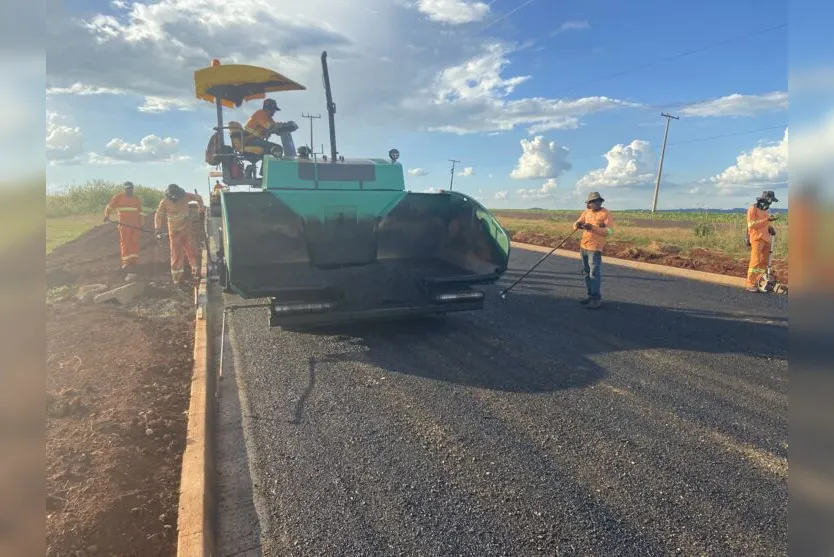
591 269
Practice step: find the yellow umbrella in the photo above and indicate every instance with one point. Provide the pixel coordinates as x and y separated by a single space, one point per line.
234 84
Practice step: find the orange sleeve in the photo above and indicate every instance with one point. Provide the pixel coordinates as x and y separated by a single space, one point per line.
757 219
114 202
194 197
263 119
161 210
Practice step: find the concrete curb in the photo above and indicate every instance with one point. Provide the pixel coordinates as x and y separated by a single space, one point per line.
196 520
702 276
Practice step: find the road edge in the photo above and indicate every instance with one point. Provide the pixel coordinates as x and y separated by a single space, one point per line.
196 520
702 276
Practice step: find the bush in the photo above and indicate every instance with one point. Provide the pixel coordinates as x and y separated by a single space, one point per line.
704 229
93 197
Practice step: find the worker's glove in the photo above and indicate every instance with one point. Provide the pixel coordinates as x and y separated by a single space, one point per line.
602 225
578 225
587 226
772 231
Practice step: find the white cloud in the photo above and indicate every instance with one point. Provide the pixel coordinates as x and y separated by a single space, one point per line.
696 191
764 165
501 195
417 172
629 165
83 90
455 12
470 98
738 105
572 25
423 78
544 192
156 105
150 149
467 171
540 159
64 143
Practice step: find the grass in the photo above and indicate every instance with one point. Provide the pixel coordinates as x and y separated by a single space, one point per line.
60 230
717 232
93 197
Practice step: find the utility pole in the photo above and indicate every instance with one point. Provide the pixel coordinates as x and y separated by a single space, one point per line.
311 118
452 179
662 154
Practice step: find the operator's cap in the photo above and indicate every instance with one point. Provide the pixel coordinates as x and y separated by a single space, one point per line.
594 196
270 103
768 196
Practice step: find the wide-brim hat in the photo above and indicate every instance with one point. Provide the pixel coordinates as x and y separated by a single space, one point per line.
768 196
594 196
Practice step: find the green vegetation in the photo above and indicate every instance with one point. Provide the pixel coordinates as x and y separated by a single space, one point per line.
93 197
719 232
60 230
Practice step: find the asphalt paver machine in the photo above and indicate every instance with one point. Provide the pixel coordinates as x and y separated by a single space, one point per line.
328 239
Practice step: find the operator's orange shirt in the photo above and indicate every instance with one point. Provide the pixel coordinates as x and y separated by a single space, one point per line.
757 224
259 122
129 209
594 239
176 212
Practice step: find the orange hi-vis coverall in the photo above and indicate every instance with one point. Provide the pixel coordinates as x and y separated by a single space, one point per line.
758 223
129 209
180 234
259 123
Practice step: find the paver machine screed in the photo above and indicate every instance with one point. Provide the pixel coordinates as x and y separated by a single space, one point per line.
329 240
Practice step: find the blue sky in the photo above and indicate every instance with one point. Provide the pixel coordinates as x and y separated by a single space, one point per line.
520 92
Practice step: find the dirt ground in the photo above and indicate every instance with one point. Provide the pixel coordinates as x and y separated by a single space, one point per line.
697 259
117 393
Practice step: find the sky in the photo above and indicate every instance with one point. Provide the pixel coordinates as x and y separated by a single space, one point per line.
541 101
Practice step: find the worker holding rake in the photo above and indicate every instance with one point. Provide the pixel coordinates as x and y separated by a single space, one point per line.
597 224
129 209
174 207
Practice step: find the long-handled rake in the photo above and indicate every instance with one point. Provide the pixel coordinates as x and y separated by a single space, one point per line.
503 293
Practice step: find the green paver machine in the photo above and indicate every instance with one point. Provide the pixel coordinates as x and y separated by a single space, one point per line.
331 240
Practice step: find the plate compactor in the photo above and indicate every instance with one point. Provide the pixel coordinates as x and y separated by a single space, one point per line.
331 240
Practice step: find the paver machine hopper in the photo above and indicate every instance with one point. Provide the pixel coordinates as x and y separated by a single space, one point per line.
327 239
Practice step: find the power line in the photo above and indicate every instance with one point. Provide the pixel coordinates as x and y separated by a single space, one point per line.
723 135
506 15
676 56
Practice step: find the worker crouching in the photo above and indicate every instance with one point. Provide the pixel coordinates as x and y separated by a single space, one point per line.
597 224
174 207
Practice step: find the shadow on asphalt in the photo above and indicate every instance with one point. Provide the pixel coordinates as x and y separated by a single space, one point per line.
538 343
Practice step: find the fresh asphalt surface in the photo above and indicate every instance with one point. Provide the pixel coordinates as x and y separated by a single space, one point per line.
656 425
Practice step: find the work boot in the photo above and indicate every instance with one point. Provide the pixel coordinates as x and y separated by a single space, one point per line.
594 304
585 301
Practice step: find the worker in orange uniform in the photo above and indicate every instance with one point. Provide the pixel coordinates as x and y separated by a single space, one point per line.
597 224
260 126
760 233
174 207
131 219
